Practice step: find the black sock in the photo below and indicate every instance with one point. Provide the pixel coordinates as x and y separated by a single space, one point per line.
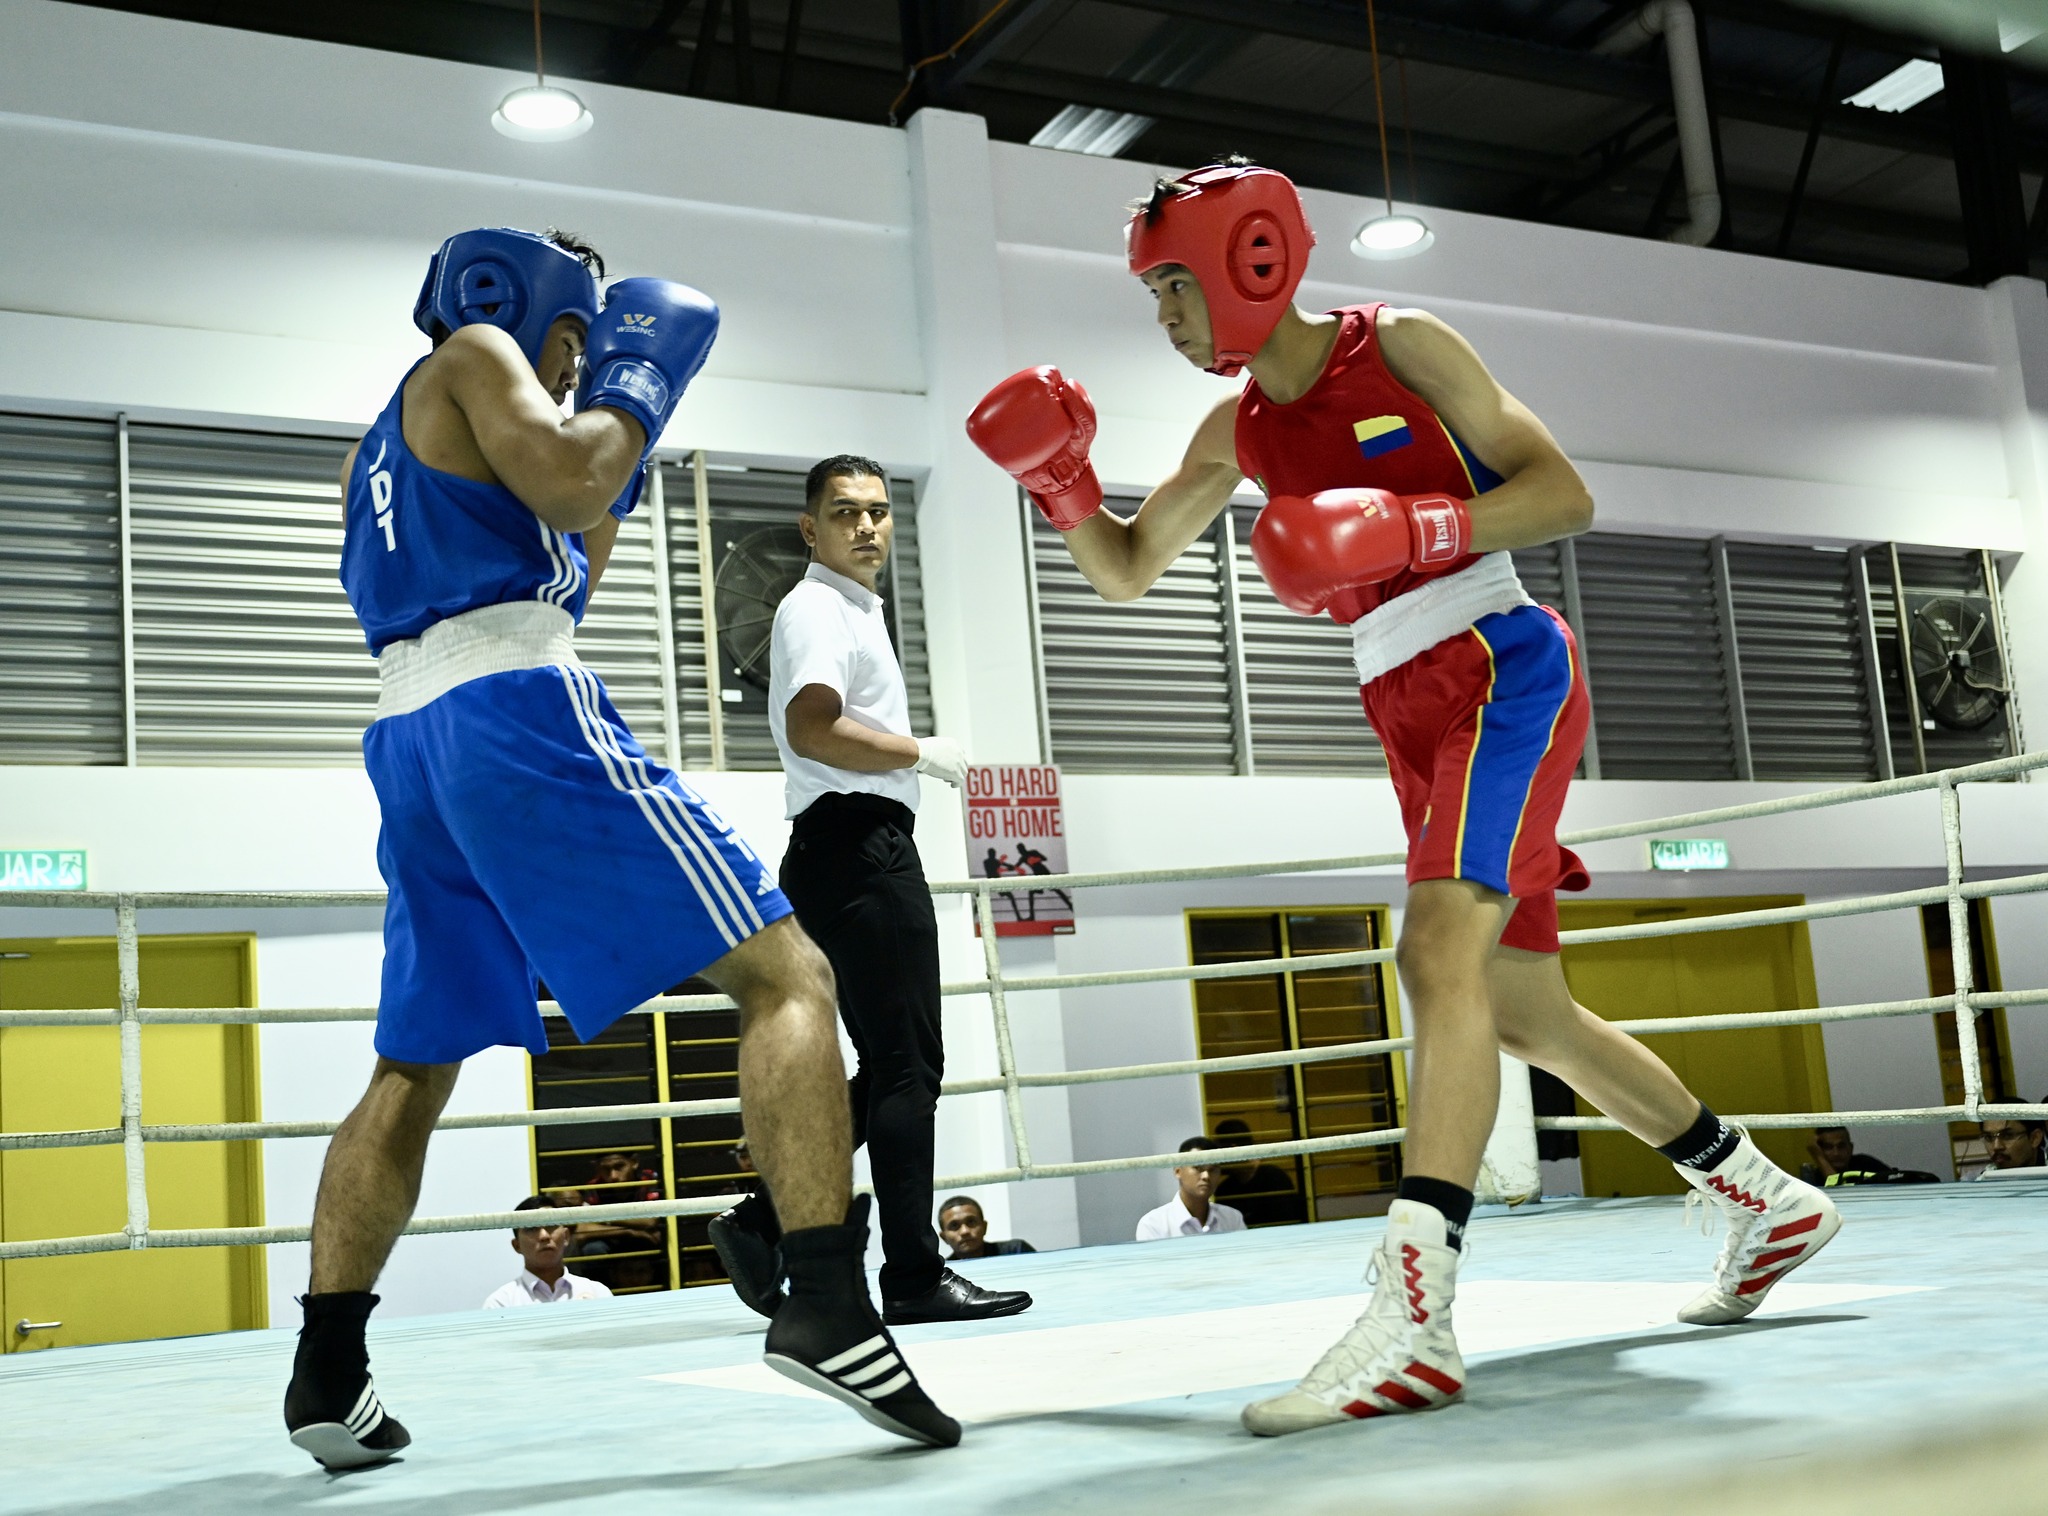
1454 1201
1703 1145
333 1361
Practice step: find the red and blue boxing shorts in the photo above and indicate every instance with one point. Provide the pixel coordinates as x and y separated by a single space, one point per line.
1483 734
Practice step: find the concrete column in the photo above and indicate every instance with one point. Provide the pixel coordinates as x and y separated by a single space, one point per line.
975 607
2017 316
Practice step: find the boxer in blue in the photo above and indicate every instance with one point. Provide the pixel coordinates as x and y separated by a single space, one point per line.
527 834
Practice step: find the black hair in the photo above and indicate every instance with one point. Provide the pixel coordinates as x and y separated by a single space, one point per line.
1199 1145
838 466
1164 190
1238 1131
544 1203
959 1200
1819 1129
571 242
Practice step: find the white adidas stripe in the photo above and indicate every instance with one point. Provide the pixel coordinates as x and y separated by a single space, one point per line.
874 1345
368 1412
560 589
682 827
707 895
884 1391
888 1363
688 826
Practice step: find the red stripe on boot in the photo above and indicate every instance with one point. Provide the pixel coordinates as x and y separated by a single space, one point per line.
1766 1260
1361 1410
1794 1228
1400 1394
1433 1378
1761 1282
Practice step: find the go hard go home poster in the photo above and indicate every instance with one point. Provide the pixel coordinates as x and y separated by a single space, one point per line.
1016 829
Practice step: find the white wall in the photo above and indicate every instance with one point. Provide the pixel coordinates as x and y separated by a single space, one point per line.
223 226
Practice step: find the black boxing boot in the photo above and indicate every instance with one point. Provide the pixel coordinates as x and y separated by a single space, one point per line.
827 1335
746 1238
331 1408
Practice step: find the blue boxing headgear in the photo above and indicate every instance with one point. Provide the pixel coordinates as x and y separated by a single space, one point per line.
516 281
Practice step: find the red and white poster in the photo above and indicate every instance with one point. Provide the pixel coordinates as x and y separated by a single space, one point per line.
1016 829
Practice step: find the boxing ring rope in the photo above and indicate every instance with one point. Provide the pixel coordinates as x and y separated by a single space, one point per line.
133 1136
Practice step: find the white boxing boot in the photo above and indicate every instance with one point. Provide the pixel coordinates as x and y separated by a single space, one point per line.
1399 1355
1775 1223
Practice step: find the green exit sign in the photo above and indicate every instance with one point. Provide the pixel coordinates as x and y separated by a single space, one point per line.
1688 853
42 868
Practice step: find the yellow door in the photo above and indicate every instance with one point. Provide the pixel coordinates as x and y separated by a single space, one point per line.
1757 1070
61 1078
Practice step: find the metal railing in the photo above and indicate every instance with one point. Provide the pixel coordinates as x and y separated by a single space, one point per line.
134 1137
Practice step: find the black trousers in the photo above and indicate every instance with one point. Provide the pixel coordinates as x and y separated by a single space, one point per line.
853 875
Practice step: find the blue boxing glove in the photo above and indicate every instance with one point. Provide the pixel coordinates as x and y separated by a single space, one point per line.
643 350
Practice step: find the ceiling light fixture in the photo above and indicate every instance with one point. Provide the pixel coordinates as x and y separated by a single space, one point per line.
1394 235
1901 89
539 112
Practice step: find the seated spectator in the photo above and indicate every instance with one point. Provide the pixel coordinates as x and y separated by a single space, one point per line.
619 1177
1193 1211
544 1280
965 1229
2012 1144
1263 1193
1836 1162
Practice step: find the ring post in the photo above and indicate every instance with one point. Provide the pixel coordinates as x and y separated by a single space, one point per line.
128 959
1006 1052
1960 958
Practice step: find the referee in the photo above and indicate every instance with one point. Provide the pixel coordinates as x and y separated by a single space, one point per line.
841 719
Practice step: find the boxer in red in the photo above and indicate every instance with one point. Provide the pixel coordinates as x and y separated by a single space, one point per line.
1398 472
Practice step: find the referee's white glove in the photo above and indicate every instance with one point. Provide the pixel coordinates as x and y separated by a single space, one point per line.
943 758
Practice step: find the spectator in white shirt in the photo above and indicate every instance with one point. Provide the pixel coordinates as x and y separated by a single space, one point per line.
544 1280
1192 1212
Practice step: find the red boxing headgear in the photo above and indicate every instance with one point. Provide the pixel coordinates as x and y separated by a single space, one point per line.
1244 236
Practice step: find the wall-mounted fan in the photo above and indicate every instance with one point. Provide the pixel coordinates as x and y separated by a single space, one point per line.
1958 666
759 568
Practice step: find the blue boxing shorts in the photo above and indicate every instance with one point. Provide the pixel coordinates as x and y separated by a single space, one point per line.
527 833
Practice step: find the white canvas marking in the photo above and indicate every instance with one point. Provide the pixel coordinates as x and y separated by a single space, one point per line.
1160 1357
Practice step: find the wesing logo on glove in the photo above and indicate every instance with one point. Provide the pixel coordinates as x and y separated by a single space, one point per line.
639 323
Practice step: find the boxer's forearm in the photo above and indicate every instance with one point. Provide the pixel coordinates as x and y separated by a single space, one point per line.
597 547
1543 502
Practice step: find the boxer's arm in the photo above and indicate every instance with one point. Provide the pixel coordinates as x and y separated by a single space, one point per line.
1542 497
1123 559
597 547
567 470
820 731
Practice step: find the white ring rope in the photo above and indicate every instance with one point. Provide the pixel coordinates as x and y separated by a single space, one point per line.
133 1136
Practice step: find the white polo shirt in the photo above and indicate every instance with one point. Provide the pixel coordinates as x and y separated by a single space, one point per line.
1174 1220
530 1289
829 630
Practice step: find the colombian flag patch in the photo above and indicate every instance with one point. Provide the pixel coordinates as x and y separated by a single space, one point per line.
1381 435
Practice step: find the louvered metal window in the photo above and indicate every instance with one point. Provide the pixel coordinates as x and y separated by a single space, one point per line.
1707 659
61 698
243 648
1300 679
246 650
1142 686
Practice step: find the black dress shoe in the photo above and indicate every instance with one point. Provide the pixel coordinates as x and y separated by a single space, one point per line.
955 1299
752 1262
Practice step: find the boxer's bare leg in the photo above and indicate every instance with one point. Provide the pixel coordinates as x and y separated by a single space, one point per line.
1447 943
792 1080
1540 1023
370 1181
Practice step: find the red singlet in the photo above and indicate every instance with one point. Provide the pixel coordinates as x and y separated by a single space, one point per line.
1482 731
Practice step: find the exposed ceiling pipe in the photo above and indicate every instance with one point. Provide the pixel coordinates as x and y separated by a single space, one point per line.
1673 19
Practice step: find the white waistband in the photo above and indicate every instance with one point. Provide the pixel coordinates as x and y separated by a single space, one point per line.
1409 625
493 639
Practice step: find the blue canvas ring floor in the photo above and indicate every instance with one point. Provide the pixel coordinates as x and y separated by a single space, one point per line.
1118 1392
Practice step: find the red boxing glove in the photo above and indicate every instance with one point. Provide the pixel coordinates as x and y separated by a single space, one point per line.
1309 549
1036 425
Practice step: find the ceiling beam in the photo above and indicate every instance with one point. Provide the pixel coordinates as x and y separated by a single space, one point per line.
1562 68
